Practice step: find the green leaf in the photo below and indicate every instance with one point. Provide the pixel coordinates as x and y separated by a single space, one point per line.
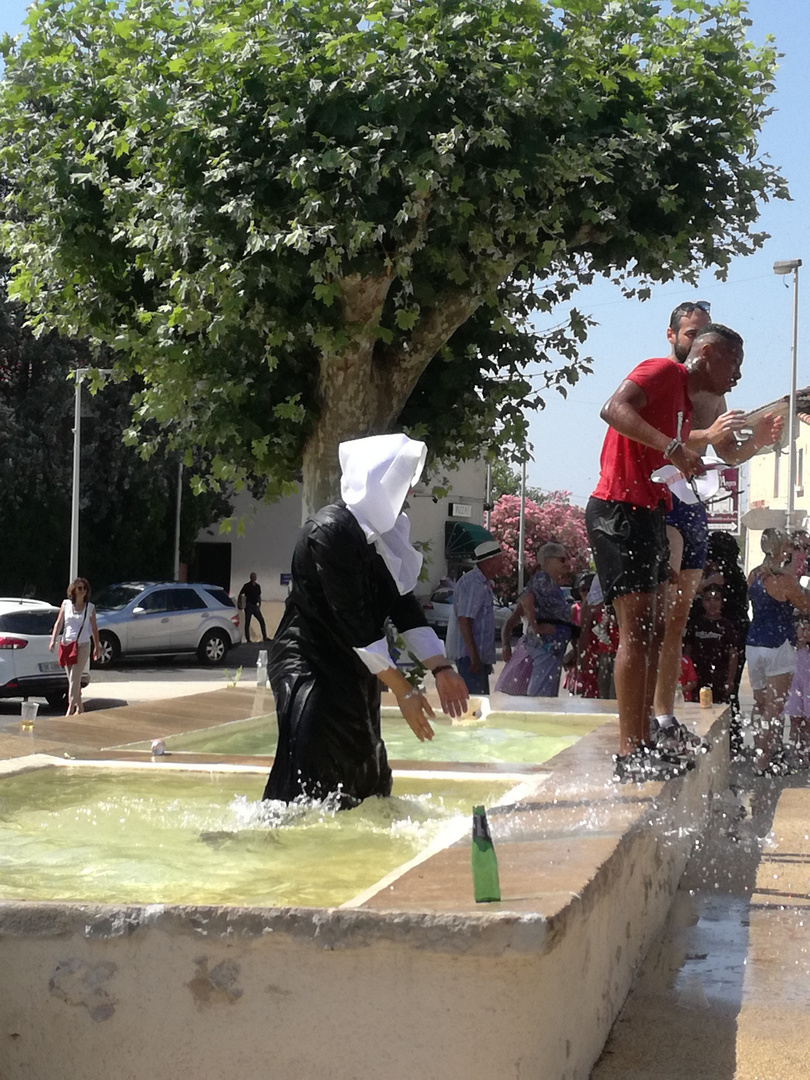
297 223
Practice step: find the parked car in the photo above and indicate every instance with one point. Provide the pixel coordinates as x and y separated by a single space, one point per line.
146 618
438 606
27 668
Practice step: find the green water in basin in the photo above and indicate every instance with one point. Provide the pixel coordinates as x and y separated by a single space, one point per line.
526 738
158 835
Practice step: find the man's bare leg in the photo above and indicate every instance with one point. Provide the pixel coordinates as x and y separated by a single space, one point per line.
680 595
675 541
641 629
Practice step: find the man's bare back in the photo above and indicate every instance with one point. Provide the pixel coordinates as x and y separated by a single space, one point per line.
706 408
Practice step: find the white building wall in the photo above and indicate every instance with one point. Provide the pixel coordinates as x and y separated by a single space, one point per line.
262 536
768 486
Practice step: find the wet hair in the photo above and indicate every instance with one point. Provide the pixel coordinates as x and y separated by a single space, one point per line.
583 581
72 590
773 540
715 331
778 547
723 548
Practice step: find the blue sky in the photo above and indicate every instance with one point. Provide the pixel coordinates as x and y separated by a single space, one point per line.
567 435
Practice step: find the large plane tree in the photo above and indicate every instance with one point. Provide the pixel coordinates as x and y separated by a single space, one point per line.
305 221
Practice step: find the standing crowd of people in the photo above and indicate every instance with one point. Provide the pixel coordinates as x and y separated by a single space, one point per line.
627 635
667 611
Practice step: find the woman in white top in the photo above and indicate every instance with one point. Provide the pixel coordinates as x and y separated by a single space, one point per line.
76 621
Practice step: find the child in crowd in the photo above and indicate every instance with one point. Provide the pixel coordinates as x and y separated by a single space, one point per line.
723 569
797 705
711 645
606 632
600 635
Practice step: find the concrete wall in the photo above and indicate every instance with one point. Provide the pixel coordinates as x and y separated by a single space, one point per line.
249 995
446 990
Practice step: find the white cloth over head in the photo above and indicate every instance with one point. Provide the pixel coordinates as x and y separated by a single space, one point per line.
376 474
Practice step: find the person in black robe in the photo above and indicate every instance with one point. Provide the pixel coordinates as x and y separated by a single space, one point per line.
353 567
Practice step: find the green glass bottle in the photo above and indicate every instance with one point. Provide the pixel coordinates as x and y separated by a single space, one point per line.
484 863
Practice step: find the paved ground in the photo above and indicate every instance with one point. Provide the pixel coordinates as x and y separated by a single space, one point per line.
724 992
131 682
134 681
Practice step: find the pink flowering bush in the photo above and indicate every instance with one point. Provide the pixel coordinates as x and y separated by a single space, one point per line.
552 518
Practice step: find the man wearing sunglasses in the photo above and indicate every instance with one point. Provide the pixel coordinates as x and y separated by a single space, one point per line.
687 525
650 420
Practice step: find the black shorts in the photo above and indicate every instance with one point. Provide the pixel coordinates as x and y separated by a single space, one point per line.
629 545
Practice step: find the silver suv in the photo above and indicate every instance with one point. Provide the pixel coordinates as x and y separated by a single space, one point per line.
144 618
27 668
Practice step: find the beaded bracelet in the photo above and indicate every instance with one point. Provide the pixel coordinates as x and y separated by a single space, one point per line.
672 447
411 693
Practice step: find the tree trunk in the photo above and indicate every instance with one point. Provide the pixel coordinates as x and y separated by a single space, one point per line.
363 394
355 404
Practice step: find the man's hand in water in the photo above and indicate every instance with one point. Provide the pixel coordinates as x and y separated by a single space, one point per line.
453 692
416 709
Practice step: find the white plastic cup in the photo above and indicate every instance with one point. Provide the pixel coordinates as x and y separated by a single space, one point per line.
261 668
28 712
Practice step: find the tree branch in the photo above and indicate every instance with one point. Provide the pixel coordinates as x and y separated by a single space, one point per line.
448 314
362 298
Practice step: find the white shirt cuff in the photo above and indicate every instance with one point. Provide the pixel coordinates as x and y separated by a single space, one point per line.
423 642
376 656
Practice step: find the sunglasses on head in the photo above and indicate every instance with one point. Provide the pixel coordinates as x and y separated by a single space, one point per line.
700 305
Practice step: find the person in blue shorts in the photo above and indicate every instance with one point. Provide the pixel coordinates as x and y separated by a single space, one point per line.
687 526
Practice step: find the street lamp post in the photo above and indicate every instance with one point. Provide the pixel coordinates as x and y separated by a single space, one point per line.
75 494
177 514
785 267
79 374
522 528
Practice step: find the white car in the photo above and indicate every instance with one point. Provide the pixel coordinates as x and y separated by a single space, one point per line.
438 607
143 618
27 668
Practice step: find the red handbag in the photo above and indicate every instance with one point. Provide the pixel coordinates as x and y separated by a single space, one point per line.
68 654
